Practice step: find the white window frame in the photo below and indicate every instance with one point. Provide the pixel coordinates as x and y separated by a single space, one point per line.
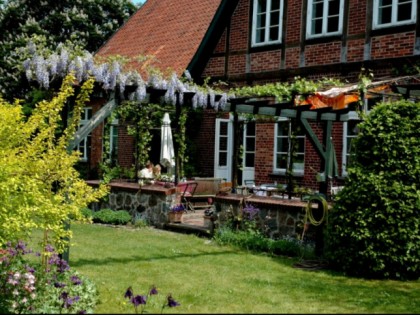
247 151
268 23
82 146
394 15
346 154
299 168
309 19
113 141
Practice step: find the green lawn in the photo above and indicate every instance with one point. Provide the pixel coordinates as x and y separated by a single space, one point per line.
206 278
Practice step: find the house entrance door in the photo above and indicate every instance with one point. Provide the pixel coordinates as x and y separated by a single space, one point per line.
224 150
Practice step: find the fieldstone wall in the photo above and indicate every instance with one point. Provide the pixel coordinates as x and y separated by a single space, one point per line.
150 202
278 217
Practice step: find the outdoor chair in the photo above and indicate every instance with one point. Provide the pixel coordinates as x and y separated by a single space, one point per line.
198 194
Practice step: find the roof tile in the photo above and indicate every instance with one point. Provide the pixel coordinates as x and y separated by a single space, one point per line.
169 30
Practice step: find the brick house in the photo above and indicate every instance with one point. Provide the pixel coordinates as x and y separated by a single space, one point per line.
253 42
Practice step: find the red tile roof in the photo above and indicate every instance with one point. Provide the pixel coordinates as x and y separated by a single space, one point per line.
169 30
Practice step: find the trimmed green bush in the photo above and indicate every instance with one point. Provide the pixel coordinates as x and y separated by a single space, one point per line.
87 213
108 216
373 228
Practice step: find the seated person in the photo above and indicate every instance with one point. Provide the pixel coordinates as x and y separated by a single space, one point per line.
157 171
147 171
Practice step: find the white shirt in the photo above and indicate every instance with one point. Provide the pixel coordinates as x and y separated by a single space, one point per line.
146 173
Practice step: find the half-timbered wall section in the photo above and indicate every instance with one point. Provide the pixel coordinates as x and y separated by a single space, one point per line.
253 42
358 42
336 55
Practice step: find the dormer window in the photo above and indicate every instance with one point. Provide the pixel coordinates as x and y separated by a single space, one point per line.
388 13
325 18
267 22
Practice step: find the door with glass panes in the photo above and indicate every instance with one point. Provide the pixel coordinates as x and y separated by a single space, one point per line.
224 150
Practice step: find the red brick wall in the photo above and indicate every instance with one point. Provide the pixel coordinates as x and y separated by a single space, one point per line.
126 148
221 46
264 135
215 67
294 14
264 154
237 64
316 53
357 17
239 32
393 45
125 143
204 139
355 50
265 61
292 57
322 54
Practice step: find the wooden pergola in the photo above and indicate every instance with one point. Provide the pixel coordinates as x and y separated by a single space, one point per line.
305 110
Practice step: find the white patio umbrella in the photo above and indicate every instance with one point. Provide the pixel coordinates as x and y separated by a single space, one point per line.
167 155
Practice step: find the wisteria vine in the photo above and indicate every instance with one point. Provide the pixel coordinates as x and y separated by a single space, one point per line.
112 77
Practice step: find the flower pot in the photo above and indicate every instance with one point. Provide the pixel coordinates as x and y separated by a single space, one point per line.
175 217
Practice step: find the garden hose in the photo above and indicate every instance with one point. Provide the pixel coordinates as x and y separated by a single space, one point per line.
309 214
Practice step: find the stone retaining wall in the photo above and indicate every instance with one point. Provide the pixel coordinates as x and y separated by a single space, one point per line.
150 202
279 217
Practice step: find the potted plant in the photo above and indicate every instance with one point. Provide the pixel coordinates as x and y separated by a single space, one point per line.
176 212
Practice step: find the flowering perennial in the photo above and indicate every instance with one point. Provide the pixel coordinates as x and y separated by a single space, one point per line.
140 301
33 288
44 69
178 208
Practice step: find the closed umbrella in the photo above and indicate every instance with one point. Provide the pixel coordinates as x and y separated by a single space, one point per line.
167 155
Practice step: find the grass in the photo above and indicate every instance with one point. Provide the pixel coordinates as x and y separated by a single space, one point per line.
206 278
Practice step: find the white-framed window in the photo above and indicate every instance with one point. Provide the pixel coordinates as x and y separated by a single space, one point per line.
223 143
113 140
289 147
83 146
350 131
388 13
324 18
267 22
249 144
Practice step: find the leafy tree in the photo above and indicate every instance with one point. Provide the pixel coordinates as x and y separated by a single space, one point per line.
373 228
39 186
86 24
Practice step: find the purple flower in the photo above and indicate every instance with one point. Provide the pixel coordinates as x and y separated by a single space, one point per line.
70 301
178 208
129 293
59 284
75 280
49 248
153 291
172 302
250 212
138 299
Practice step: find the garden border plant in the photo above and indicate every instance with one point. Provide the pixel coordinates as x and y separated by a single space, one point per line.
373 228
